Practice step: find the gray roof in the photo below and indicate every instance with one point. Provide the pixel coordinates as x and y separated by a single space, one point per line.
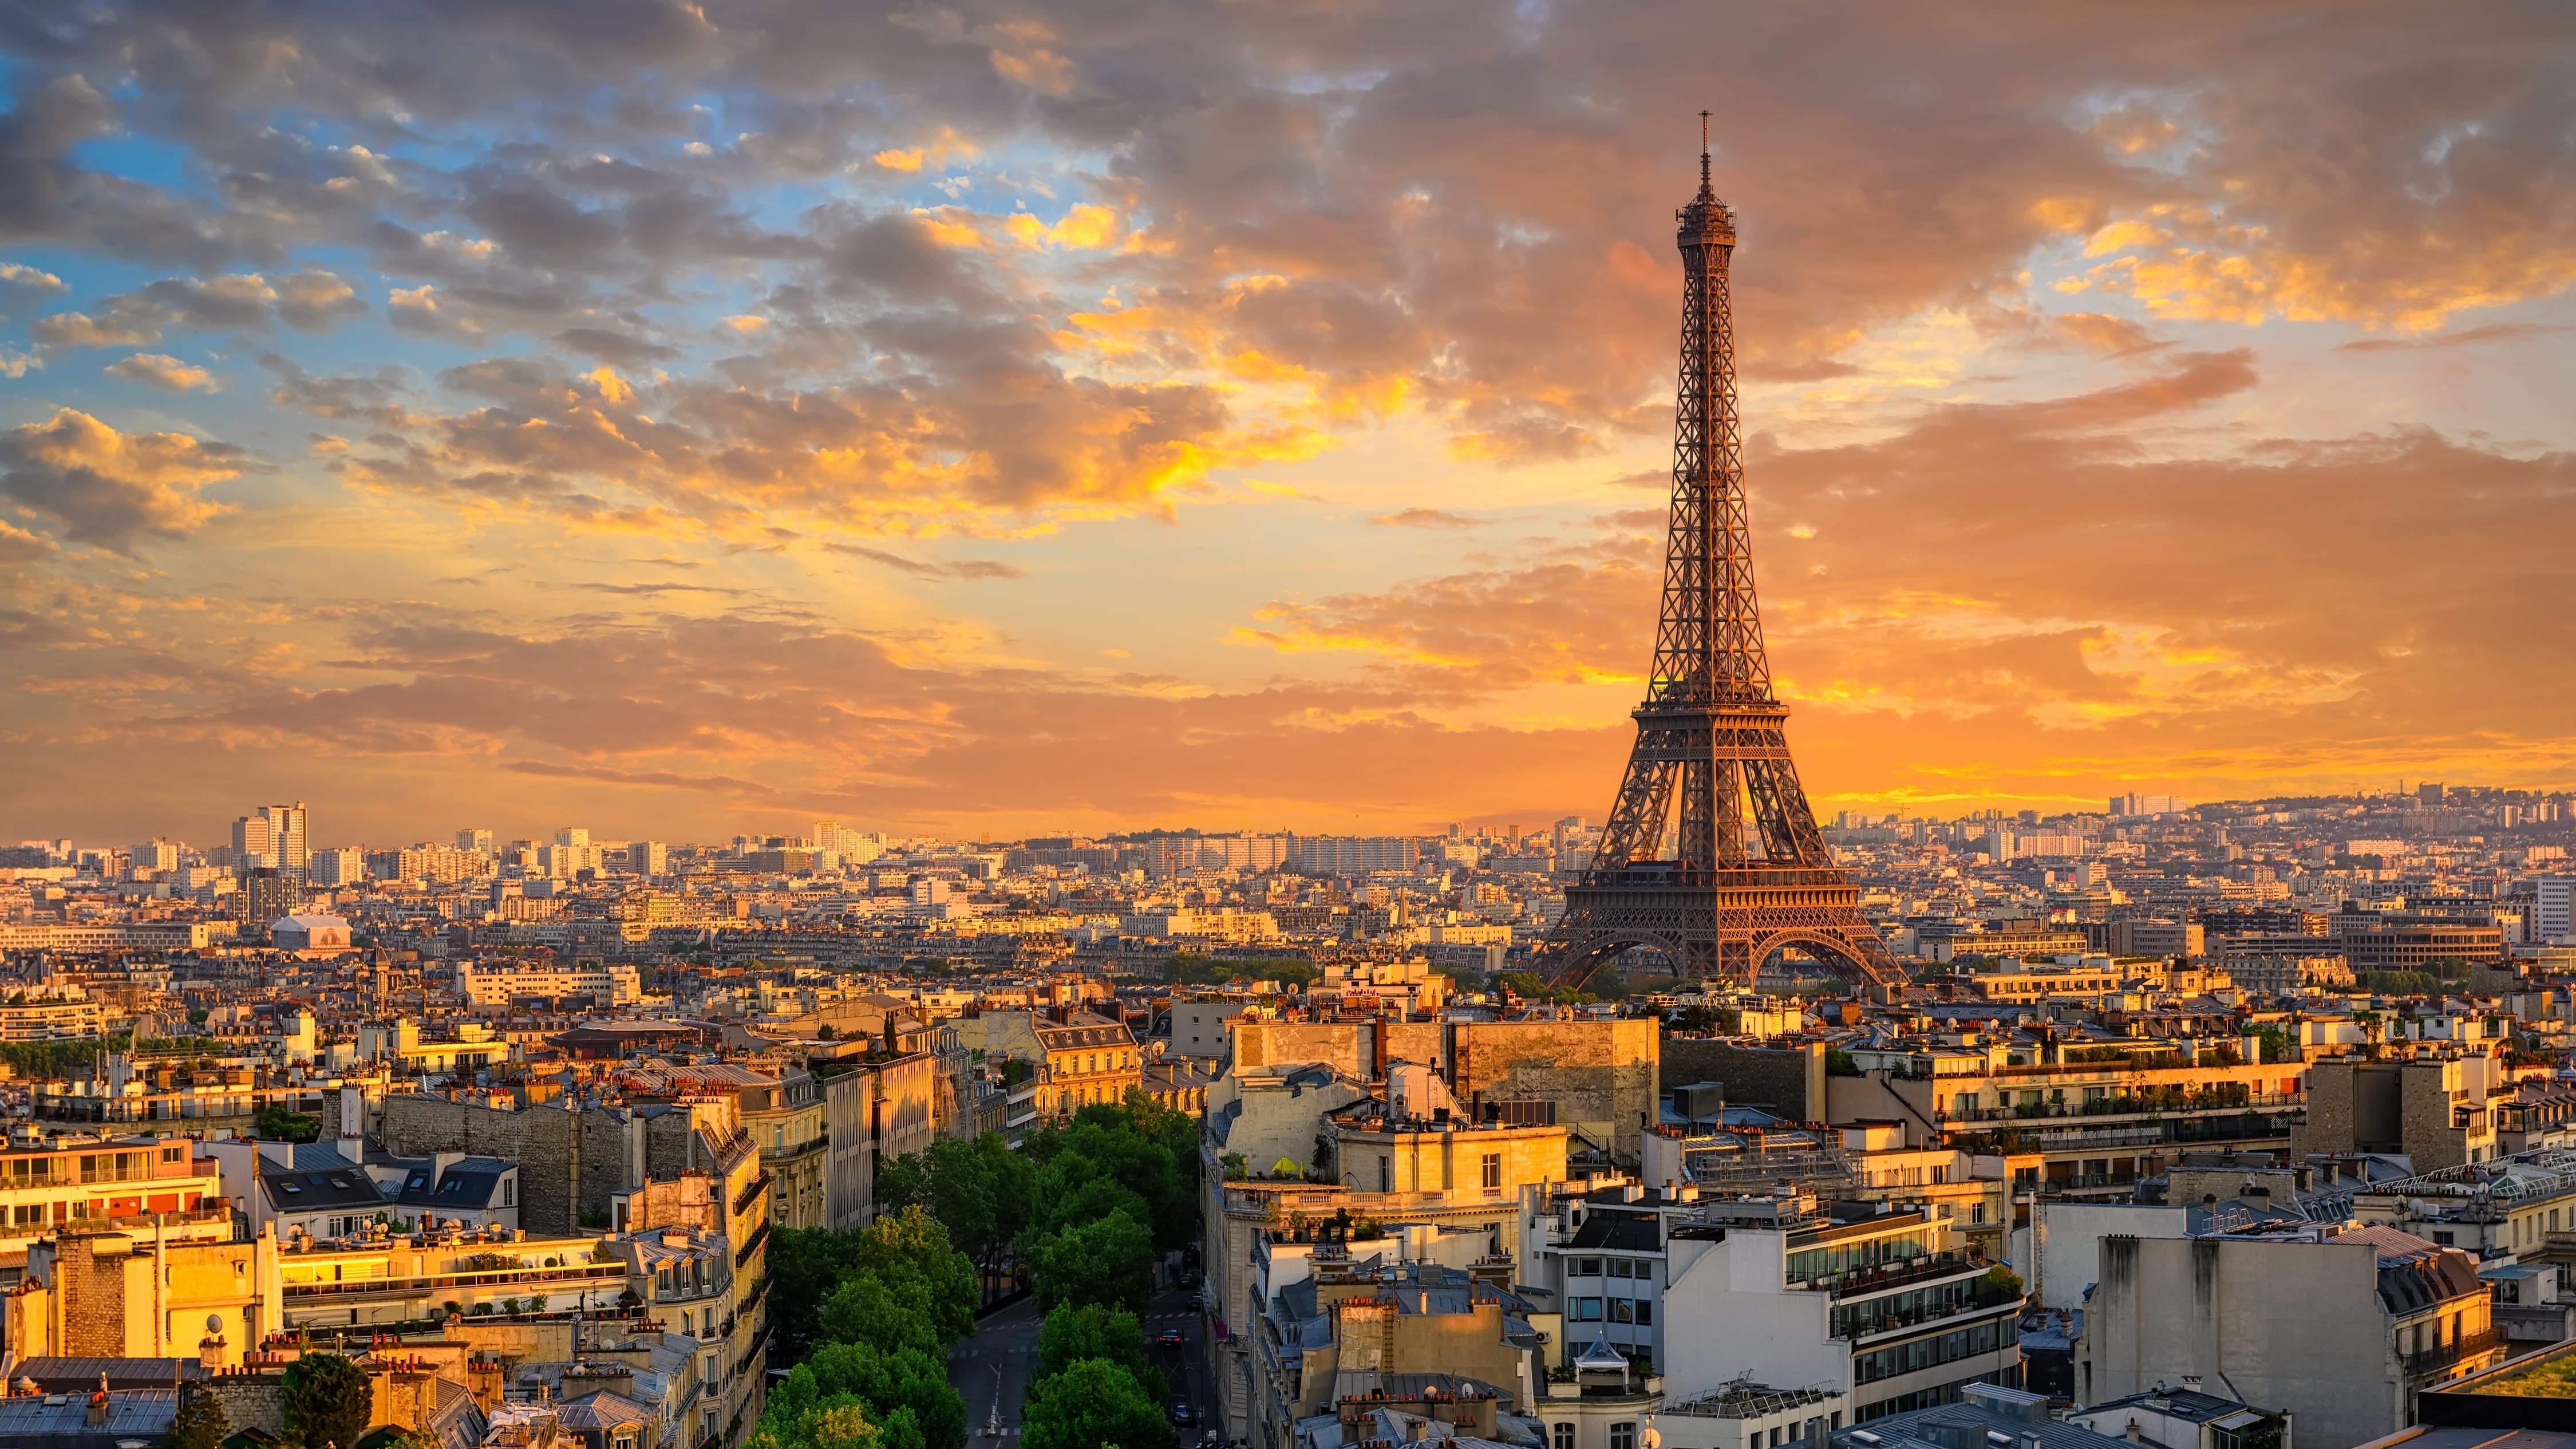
63 1419
605 1409
2189 1404
66 1375
1966 1425
337 1184
470 1185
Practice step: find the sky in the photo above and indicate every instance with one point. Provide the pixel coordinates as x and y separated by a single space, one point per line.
992 419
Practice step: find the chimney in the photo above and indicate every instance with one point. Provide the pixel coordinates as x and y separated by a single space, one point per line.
353 1124
2133 1436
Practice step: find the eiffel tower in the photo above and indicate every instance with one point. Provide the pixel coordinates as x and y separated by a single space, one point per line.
1750 875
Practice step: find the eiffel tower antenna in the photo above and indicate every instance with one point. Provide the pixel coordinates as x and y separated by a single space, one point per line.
1749 874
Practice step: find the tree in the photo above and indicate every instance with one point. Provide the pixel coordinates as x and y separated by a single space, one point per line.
280 1125
1106 1261
898 1282
888 1380
1092 1403
1074 1333
200 1422
325 1400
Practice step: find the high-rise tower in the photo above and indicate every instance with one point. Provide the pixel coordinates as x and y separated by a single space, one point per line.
1749 874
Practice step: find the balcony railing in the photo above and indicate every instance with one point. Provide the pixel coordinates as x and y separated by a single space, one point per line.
1983 1298
2134 1104
750 1192
752 1244
2458 1350
1900 1275
575 1275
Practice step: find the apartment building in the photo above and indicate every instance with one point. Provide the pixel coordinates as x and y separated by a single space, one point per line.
119 1290
1876 1303
101 1184
1599 1071
1248 1218
1086 1058
1864 1162
389 1278
1341 1328
492 986
2097 1118
2440 1110
2340 1328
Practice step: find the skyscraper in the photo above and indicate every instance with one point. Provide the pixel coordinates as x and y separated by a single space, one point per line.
252 847
266 893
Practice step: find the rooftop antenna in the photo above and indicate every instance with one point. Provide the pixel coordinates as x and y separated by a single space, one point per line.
1703 153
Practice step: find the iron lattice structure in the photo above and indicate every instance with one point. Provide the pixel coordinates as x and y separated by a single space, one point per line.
1748 874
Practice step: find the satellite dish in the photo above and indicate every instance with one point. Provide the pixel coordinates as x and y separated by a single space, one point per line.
214 1323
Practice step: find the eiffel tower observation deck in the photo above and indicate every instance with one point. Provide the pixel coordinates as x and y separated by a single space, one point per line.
1749 876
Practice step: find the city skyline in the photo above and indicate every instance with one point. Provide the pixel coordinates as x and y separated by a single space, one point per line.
946 423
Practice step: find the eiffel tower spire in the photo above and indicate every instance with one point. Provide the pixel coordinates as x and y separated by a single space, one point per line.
1749 874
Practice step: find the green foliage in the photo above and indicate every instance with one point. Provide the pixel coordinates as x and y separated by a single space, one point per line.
892 1379
325 1400
200 1423
1839 1063
1528 987
42 1059
899 1283
1139 1156
280 1125
979 1189
1187 968
2004 1278
1107 1260
2398 983
1072 1334
797 1417
1093 1403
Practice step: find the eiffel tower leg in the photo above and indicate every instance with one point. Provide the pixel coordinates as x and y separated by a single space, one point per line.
1636 825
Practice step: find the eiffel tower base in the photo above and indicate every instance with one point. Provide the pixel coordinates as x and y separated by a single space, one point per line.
1722 929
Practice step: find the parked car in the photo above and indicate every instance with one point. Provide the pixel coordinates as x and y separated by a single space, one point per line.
1182 1413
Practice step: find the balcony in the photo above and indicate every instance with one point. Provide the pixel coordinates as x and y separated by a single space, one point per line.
1932 1267
1983 1298
572 1275
2140 1104
2459 1350
751 1192
752 1244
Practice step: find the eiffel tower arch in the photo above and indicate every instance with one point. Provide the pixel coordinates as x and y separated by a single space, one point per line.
1750 874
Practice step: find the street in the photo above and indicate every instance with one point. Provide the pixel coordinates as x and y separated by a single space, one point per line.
1007 1342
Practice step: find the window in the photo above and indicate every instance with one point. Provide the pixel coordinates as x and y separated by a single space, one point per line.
1587 1310
777 1139
1563 1434
509 1192
1385 1175
1620 1268
1623 1436
1586 1268
689 1322
174 1154
1646 1311
1623 1310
